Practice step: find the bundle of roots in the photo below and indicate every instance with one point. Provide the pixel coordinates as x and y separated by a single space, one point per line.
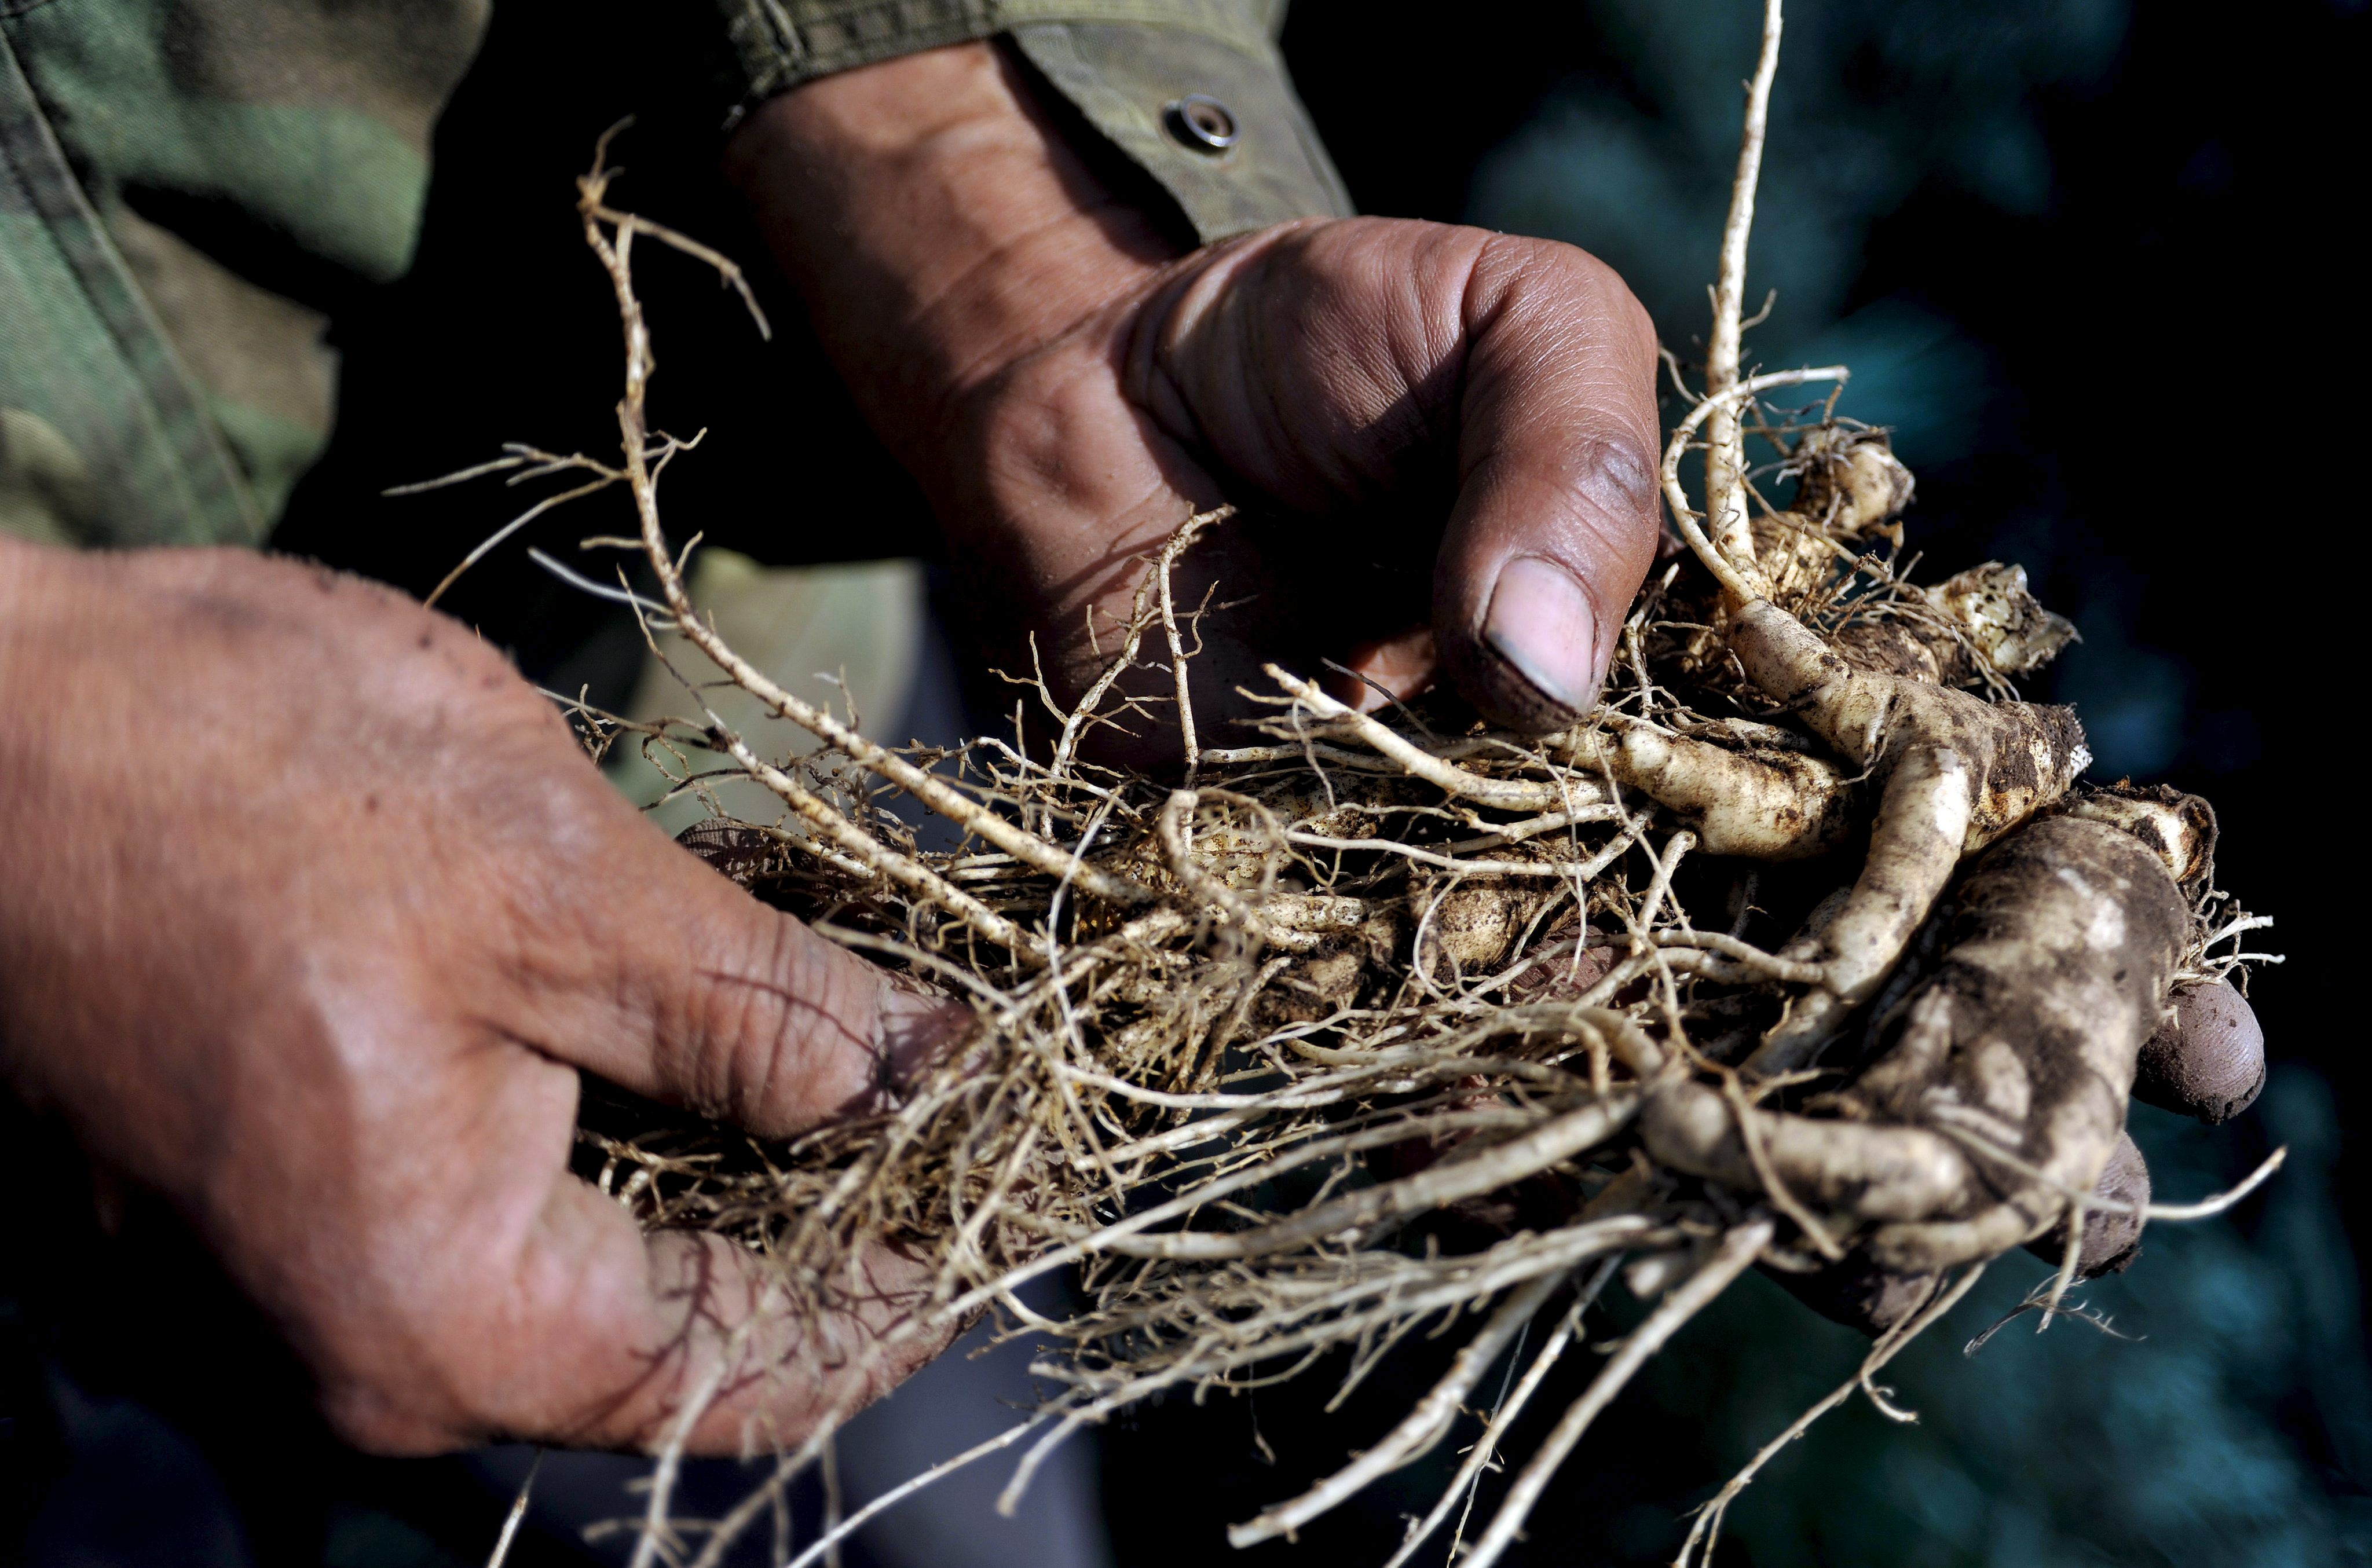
1807 949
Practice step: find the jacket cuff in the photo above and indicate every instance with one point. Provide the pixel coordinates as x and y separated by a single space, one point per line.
1194 92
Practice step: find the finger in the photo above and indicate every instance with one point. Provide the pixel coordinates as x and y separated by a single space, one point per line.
2111 1239
2208 1059
1385 670
1557 515
620 1332
602 1337
1366 375
685 988
1857 1293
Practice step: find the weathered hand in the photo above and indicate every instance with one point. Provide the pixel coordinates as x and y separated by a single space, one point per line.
314 911
1443 440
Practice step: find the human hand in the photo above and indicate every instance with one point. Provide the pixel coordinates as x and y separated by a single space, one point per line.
314 911
1444 439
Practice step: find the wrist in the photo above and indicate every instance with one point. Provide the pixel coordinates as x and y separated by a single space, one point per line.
939 227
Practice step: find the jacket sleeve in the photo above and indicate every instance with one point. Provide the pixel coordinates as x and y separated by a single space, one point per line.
1194 92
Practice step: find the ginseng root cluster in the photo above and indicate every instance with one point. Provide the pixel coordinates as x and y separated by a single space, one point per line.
1808 949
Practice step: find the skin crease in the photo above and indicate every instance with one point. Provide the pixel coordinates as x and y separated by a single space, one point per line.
314 909
325 987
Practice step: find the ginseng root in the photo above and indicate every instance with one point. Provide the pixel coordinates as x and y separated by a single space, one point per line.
1998 1093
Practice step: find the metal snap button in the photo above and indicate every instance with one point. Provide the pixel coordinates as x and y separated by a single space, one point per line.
1202 122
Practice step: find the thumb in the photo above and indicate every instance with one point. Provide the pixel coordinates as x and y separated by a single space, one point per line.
1558 514
1353 372
743 1013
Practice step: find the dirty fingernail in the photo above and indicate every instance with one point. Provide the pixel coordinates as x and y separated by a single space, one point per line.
1541 621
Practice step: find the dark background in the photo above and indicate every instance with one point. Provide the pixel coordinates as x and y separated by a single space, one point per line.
2087 260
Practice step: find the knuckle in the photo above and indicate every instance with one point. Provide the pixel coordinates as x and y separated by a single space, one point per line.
1618 475
413 1357
783 1030
1564 281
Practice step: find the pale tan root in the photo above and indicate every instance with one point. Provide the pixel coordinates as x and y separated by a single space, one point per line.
1427 1423
1865 1170
1956 772
1732 1256
1725 507
1479 1457
1766 805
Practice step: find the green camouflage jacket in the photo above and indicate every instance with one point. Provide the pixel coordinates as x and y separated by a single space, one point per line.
163 380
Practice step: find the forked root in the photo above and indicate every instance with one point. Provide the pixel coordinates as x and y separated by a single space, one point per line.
1954 773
